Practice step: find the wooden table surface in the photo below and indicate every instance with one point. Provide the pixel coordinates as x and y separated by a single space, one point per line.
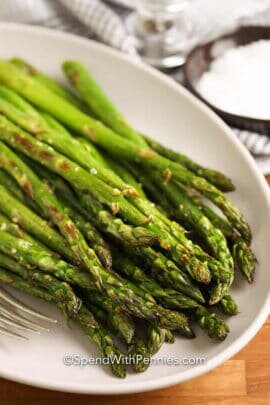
243 380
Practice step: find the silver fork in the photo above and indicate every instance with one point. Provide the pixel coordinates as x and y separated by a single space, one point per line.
10 317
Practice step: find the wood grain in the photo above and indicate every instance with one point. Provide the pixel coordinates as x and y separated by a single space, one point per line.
243 380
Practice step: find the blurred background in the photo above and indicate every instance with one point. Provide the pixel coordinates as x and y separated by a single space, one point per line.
164 34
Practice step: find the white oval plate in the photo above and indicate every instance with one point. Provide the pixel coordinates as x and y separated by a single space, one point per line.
166 111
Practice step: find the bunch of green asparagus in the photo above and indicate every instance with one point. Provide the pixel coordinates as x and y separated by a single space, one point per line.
113 228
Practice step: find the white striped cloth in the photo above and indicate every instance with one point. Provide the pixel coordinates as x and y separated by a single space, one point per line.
104 20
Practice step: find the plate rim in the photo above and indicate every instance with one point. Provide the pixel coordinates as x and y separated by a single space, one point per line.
255 325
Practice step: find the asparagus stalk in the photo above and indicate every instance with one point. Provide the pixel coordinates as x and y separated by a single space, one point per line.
118 290
98 101
121 322
83 317
69 170
228 306
136 347
104 109
189 213
169 336
95 332
139 352
32 287
10 184
27 179
93 237
60 290
8 263
167 273
218 179
163 269
40 229
191 264
243 255
19 214
168 298
117 145
155 339
215 327
47 129
93 211
46 81
105 221
125 175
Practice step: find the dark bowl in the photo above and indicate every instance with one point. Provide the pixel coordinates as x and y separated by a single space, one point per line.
198 62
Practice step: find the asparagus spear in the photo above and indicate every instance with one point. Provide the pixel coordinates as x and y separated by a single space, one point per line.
8 263
168 298
139 352
68 169
33 224
47 81
114 144
169 336
83 317
211 322
68 303
191 264
10 184
95 332
45 128
215 327
155 339
189 211
218 179
93 237
98 101
125 175
228 306
104 109
190 214
60 290
243 255
51 207
163 269
136 347
93 211
167 273
120 321
118 290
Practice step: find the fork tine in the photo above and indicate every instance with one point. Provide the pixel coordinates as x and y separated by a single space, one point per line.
21 320
6 332
23 307
15 324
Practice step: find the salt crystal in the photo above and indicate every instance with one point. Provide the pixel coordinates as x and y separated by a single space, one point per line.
238 81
